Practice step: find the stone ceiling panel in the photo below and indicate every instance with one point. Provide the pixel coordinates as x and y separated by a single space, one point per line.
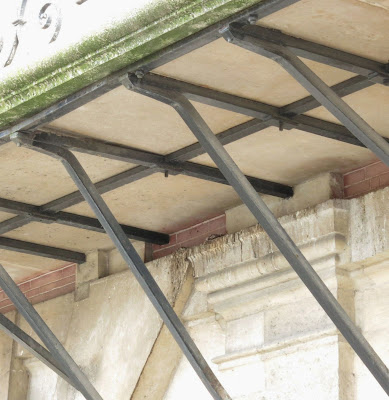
35 178
165 204
292 156
355 26
231 69
131 119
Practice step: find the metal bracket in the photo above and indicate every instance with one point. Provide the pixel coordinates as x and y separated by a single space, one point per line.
269 223
130 255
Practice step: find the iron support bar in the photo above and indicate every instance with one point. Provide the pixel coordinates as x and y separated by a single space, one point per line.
74 198
246 36
167 54
271 225
309 124
139 269
34 213
68 366
126 154
268 115
32 346
342 89
41 250
104 186
373 70
302 122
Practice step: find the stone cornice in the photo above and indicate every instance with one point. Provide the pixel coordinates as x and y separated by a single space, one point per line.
320 232
162 24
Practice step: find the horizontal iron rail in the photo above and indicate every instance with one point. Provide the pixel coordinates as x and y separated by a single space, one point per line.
127 154
41 250
268 115
169 53
373 70
34 213
32 346
245 129
271 225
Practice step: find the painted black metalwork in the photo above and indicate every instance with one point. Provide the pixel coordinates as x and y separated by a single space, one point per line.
152 160
61 356
270 224
32 346
267 114
373 70
41 250
288 115
253 38
34 213
363 66
178 49
135 263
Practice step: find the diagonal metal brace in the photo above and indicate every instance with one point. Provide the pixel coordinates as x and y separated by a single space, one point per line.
64 360
269 223
130 255
250 37
26 341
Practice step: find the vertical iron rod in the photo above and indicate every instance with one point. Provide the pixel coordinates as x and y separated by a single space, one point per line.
137 266
69 367
271 225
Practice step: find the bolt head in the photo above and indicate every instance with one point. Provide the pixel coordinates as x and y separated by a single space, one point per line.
139 74
252 19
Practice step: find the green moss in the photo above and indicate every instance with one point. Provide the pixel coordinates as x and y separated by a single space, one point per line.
153 29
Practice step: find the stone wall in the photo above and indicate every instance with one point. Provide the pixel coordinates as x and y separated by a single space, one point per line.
265 335
110 334
257 325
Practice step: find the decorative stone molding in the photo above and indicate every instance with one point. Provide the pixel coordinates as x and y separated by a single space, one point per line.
142 29
267 316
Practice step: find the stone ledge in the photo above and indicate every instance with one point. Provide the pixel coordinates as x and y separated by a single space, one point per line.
273 349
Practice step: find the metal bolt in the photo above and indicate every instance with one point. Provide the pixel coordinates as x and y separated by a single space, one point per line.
252 19
139 74
225 32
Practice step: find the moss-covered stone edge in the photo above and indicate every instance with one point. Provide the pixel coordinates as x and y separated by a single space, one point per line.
28 93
